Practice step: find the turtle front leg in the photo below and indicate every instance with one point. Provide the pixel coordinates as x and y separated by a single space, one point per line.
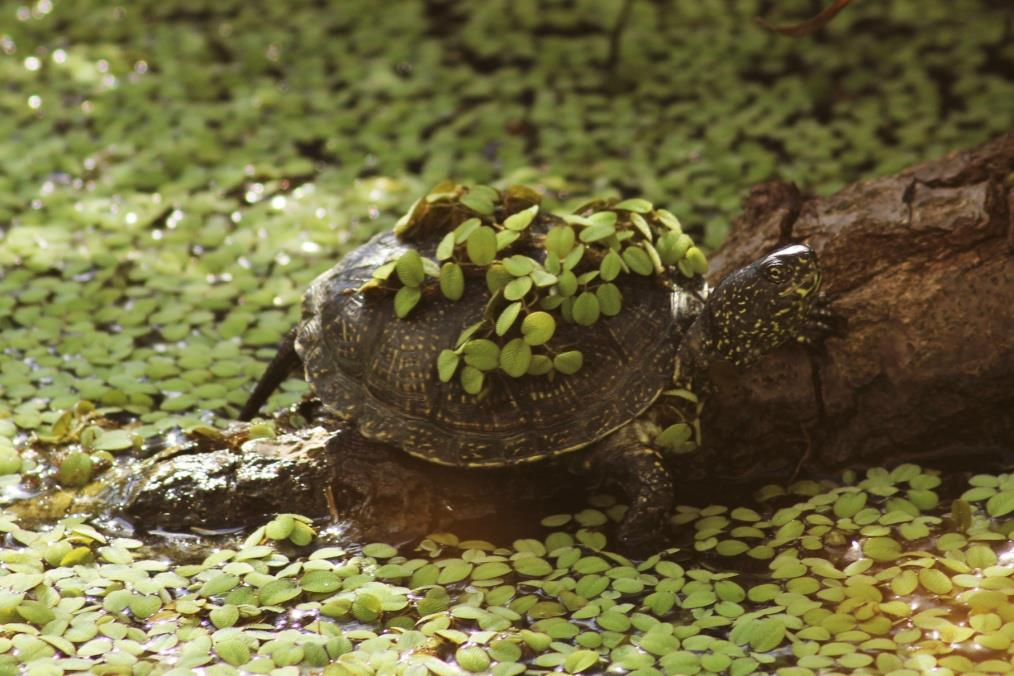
626 458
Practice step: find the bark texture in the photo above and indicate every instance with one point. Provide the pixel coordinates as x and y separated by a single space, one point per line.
918 265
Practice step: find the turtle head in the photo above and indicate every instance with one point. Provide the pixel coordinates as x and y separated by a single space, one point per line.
763 305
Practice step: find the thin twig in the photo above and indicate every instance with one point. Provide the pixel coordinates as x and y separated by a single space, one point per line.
332 506
616 34
809 26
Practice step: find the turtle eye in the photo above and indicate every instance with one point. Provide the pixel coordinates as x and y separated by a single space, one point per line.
776 273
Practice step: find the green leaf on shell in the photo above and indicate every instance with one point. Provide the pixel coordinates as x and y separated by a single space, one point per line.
668 220
560 240
597 232
447 364
452 281
543 279
482 353
656 260
671 247
697 261
538 328
465 230
611 266
507 318
573 258
610 299
481 246
540 365
636 204
468 332
384 271
586 309
517 288
638 261
642 226
518 266
410 268
568 362
497 277
446 247
471 379
515 357
478 201
522 219
566 284
405 299
504 238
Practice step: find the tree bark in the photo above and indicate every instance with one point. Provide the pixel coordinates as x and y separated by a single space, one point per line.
919 266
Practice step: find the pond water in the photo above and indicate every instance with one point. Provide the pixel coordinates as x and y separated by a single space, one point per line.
176 173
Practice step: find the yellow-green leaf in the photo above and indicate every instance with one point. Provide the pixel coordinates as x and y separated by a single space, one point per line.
586 309
483 354
638 205
481 246
452 281
569 362
447 364
515 357
471 379
538 328
410 268
405 299
507 318
522 219
610 299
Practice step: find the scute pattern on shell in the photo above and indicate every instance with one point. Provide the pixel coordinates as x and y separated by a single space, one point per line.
368 366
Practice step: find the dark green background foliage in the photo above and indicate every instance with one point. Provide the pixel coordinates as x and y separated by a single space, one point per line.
144 260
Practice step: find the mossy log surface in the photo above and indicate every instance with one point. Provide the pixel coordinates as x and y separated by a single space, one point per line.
919 266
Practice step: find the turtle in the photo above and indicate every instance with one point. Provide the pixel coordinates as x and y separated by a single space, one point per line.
378 371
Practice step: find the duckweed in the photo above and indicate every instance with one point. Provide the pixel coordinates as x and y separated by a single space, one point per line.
557 600
174 178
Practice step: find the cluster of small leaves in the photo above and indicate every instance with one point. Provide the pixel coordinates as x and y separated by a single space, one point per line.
577 258
683 436
873 573
294 528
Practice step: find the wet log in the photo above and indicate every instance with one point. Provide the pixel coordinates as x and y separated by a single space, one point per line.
918 265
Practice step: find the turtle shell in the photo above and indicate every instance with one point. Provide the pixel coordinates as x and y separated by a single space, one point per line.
367 365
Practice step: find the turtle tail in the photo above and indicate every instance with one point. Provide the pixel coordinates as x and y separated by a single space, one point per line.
284 362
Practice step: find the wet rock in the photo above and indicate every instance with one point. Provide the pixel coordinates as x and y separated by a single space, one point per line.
234 486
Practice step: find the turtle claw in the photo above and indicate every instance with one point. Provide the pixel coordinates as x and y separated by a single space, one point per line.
643 534
820 322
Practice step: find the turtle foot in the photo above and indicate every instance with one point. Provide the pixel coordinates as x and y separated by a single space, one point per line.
645 529
820 322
